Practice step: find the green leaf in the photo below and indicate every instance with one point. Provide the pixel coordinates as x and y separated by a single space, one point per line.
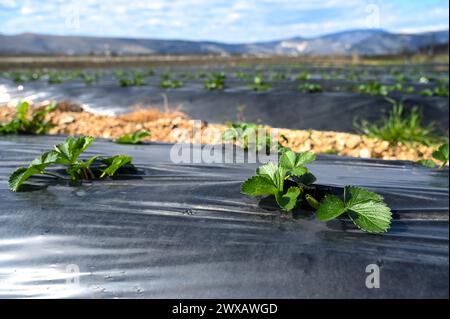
298 171
275 173
330 207
114 163
426 163
258 186
22 109
71 149
288 159
442 153
20 175
356 195
370 213
268 170
294 163
12 127
45 159
371 217
229 134
37 166
134 138
305 158
306 179
288 201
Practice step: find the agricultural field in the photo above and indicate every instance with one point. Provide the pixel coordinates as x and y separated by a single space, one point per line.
349 157
350 99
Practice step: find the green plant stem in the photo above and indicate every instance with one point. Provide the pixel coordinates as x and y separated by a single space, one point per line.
54 175
90 173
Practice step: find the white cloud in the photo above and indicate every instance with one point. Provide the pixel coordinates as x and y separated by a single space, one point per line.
223 20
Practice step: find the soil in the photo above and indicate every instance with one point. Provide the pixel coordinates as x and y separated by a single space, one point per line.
173 126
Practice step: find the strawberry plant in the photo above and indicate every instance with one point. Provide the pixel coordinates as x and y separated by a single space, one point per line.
303 76
330 76
67 154
202 75
148 72
441 91
259 84
215 82
292 185
277 76
55 77
242 76
88 78
136 80
352 76
135 138
22 124
246 136
439 155
171 84
187 76
310 88
374 88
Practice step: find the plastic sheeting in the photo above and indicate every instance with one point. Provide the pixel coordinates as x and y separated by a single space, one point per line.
185 231
282 106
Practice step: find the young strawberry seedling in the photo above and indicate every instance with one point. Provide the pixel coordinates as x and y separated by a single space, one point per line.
171 84
374 88
440 155
310 88
277 76
67 154
215 82
21 124
260 85
89 78
241 75
246 136
352 76
291 184
135 138
441 91
137 80
303 76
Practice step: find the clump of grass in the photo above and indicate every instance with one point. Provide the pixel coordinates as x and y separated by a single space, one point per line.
400 126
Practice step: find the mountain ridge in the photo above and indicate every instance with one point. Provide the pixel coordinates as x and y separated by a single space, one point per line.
364 42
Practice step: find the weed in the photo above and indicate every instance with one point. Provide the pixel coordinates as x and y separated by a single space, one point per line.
401 127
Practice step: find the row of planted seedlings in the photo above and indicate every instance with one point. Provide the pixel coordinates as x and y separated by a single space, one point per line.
288 183
259 80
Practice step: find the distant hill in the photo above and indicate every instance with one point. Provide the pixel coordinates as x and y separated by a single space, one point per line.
364 42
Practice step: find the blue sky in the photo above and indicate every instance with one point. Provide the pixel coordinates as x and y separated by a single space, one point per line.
230 21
